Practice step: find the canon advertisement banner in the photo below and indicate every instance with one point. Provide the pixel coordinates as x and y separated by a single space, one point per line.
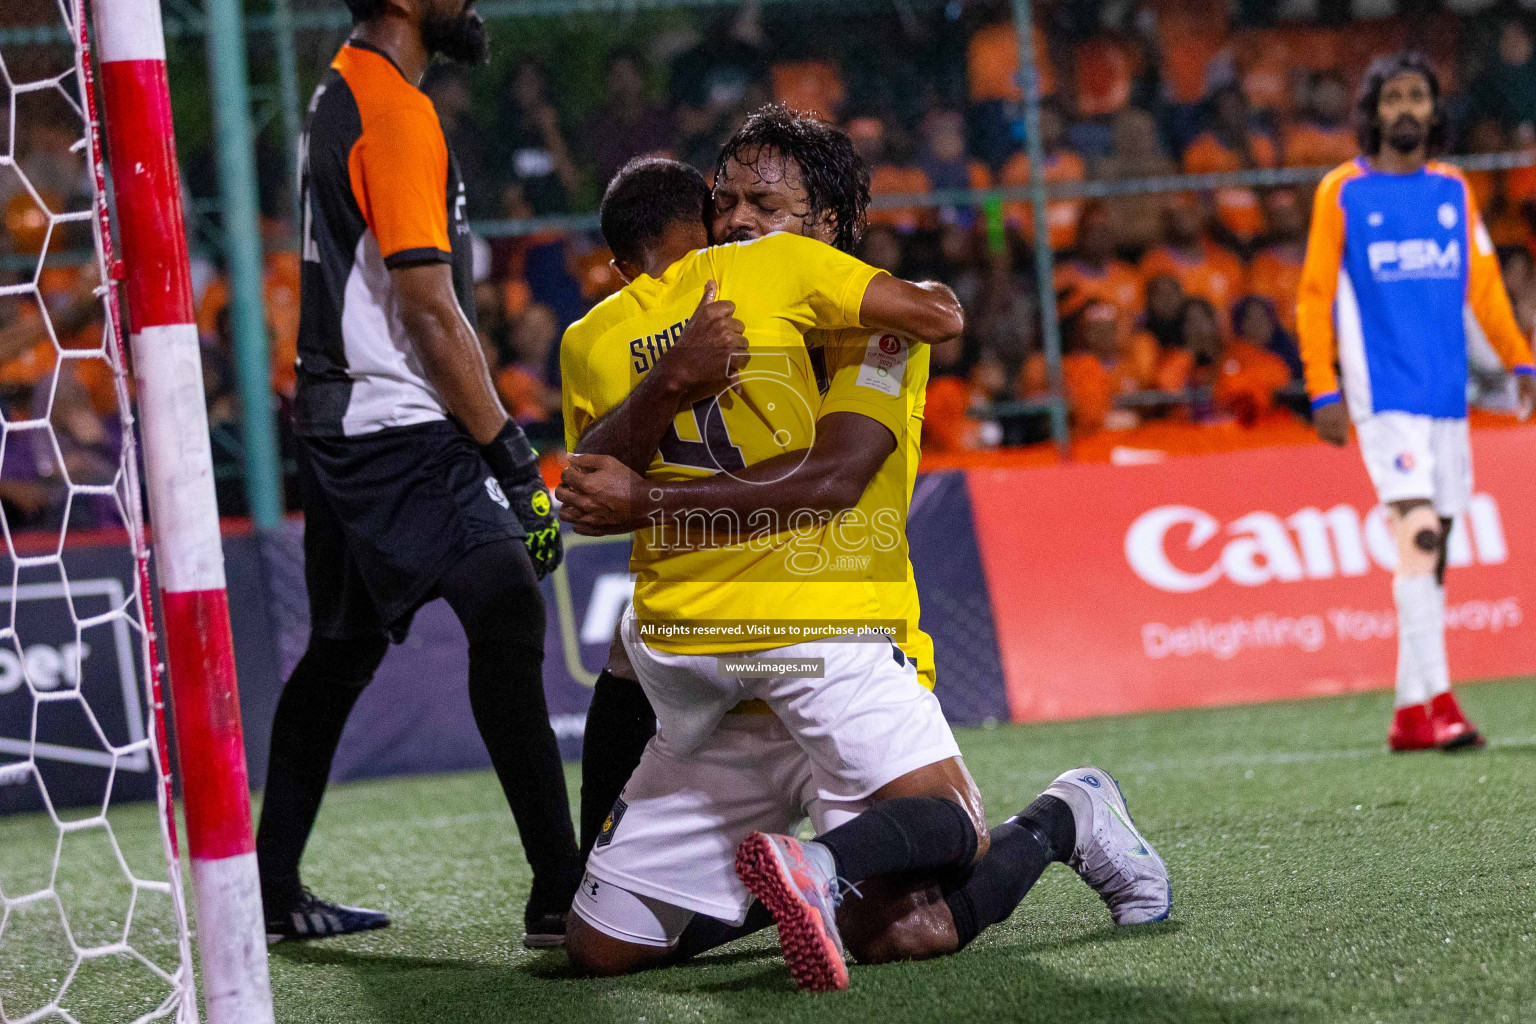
1240 577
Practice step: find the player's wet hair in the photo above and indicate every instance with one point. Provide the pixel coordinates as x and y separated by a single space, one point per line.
835 177
647 195
1382 70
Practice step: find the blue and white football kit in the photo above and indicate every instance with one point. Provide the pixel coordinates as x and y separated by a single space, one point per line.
1398 267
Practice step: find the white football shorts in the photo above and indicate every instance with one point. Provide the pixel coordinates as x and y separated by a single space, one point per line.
668 848
1411 456
831 742
865 721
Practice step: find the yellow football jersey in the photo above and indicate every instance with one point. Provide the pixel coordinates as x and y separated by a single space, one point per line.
853 360
851 569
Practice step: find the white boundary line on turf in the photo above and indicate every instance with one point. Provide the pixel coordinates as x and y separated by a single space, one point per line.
1239 760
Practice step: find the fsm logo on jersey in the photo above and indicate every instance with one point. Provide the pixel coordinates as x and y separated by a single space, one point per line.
1414 259
81 687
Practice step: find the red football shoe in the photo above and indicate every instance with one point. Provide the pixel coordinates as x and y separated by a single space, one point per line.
1451 729
798 884
1411 729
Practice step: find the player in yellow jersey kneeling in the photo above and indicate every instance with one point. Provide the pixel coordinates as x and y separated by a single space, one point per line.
774 507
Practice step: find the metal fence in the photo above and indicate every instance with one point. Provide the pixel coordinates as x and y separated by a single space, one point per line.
226 29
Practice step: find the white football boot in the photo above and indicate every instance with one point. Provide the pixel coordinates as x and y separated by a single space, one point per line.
1111 855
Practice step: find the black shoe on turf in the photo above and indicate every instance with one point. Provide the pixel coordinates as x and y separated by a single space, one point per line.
310 917
543 930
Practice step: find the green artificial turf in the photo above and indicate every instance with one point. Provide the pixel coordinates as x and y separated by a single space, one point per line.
1316 878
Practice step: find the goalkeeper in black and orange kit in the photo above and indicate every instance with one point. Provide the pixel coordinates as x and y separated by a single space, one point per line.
414 482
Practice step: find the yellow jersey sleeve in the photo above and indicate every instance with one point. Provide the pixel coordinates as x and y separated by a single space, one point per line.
575 397
872 374
805 281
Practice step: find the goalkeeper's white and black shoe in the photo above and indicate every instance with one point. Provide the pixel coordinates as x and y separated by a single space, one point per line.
1111 854
310 917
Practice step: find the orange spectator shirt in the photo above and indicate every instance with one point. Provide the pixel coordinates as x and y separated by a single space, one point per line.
1237 208
280 291
1311 145
1244 384
992 64
1191 35
1091 388
1102 70
1060 216
809 85
1505 221
53 282
1247 380
890 180
1207 155
522 393
282 295
1270 60
947 425
1217 276
31 366
1519 184
594 271
1277 277
1118 284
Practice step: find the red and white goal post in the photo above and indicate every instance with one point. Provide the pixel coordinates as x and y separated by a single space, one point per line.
167 405
231 935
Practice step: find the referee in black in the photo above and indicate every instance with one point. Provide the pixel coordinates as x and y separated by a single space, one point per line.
415 484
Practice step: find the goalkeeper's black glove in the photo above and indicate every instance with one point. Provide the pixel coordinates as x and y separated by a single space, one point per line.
516 467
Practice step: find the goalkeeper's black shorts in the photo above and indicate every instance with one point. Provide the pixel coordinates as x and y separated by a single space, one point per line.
385 515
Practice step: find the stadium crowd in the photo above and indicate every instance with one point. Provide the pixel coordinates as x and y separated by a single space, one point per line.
1173 306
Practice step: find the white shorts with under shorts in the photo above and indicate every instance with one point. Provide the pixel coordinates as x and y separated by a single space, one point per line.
669 847
1411 456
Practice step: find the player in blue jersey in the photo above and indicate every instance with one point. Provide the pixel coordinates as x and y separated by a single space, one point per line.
1399 268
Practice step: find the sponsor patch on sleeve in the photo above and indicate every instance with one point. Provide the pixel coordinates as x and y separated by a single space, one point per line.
885 364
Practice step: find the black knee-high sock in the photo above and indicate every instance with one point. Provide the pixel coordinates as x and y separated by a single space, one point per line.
620 722
1022 848
310 716
497 600
905 834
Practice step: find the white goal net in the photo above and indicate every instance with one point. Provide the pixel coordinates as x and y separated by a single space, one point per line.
93 925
